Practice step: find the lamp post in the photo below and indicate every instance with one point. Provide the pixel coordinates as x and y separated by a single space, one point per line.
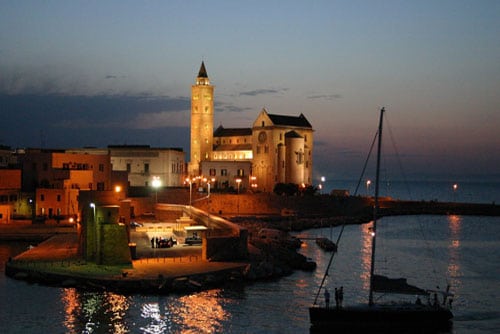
190 181
209 182
238 182
368 183
95 230
322 179
156 184
455 187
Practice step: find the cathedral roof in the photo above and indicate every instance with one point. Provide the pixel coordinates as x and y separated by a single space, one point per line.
203 72
232 132
300 121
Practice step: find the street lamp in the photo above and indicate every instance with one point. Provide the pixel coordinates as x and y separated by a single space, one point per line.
94 230
322 179
238 182
455 187
188 180
118 189
156 184
92 205
368 183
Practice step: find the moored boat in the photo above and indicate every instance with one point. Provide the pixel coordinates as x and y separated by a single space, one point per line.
430 316
326 244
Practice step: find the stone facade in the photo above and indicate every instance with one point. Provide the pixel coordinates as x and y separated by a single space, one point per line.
202 121
277 147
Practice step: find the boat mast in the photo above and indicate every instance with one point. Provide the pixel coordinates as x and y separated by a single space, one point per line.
376 206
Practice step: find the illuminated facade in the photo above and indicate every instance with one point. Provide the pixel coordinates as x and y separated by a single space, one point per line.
202 121
57 176
10 194
143 163
276 149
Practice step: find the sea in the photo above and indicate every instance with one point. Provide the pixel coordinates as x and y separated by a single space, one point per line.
430 251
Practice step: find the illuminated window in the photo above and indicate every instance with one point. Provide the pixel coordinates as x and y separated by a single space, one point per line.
223 172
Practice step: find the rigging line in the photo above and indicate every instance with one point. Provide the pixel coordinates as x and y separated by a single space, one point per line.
329 264
428 249
366 163
398 158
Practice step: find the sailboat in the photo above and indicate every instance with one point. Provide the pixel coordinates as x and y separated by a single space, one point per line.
431 315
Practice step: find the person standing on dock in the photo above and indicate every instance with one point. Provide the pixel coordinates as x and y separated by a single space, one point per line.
336 298
341 296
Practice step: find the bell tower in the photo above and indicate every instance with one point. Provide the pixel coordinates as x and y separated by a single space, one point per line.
202 121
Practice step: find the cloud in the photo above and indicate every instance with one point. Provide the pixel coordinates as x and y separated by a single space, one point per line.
263 92
160 120
25 115
328 97
227 107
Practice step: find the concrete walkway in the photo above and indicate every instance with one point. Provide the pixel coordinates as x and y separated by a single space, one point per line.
170 263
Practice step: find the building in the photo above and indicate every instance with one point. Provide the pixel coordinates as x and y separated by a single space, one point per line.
282 150
10 195
276 149
55 177
202 121
143 164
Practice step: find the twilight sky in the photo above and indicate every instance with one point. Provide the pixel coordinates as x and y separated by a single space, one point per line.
94 73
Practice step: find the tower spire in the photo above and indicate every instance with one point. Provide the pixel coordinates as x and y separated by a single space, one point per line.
203 72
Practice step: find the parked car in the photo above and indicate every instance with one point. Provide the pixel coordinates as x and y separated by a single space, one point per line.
167 243
135 224
193 240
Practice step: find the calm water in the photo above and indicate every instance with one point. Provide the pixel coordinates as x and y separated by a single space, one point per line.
428 250
466 191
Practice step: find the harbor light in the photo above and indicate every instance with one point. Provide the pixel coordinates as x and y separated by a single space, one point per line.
156 184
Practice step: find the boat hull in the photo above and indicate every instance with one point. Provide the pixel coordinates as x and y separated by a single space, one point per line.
388 318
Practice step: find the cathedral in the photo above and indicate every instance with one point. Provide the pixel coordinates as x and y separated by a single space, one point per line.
276 149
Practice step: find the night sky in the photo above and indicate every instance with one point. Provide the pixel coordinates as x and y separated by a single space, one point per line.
96 73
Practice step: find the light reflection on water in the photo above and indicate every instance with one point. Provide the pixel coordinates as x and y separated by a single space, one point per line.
465 248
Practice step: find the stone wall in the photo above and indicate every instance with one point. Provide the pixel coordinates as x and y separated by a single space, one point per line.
114 245
226 248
